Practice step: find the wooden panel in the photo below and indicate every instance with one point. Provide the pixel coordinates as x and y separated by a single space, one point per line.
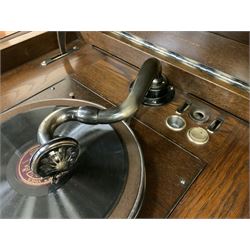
214 91
151 209
216 141
210 49
165 172
29 79
18 37
241 37
6 34
223 189
15 54
68 88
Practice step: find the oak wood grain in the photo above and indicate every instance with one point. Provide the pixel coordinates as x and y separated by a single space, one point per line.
30 78
207 48
239 36
165 172
223 185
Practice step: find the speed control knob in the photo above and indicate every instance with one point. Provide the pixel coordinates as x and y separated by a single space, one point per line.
198 135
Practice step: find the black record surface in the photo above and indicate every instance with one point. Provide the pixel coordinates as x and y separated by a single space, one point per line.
90 192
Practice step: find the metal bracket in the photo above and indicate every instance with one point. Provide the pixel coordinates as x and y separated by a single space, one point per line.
61 39
160 92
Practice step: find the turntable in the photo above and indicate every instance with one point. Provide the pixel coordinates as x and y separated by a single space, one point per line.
68 158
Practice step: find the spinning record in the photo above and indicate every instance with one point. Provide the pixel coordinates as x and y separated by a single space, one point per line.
107 181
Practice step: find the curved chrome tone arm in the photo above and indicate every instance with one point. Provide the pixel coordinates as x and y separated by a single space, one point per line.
150 70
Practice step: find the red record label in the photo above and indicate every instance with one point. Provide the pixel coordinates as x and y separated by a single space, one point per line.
24 172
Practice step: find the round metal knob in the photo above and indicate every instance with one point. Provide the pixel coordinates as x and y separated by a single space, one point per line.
175 122
199 115
198 135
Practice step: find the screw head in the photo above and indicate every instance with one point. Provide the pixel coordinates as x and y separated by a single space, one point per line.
44 63
72 95
183 182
